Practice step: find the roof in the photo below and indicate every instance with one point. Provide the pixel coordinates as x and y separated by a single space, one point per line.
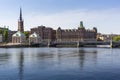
34 35
81 24
18 34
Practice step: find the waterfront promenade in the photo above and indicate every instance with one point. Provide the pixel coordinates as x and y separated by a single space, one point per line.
63 44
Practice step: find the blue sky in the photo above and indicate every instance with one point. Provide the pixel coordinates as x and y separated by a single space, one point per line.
103 14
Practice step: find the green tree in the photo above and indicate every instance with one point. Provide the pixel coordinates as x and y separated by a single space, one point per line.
5 34
1 32
26 34
116 38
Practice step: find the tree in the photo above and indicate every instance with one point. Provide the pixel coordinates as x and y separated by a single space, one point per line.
5 34
1 32
26 34
116 38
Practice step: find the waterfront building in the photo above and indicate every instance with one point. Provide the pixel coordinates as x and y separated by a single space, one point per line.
18 38
80 34
34 38
46 33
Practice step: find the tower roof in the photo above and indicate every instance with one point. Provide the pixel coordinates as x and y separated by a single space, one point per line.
20 18
20 22
81 24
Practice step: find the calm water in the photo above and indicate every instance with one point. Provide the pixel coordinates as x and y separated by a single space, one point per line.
59 64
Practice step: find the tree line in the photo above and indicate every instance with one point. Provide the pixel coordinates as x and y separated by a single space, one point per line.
5 33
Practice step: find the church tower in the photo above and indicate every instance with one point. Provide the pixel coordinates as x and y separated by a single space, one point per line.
20 22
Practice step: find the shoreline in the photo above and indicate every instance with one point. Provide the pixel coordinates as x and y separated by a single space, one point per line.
42 46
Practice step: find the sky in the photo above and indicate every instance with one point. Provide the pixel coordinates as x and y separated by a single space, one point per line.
67 14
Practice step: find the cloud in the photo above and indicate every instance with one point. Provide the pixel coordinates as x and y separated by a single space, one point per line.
107 20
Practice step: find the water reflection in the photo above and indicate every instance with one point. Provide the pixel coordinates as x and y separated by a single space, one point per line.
21 64
81 55
87 55
57 63
57 59
4 58
44 55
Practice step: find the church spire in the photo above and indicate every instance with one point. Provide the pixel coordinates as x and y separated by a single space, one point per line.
20 22
20 14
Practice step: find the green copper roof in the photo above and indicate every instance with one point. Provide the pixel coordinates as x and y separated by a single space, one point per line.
18 34
81 24
34 35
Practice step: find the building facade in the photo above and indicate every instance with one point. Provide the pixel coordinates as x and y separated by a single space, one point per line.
80 34
18 38
34 38
46 33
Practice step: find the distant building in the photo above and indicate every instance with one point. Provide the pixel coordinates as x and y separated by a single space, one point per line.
49 34
18 38
79 34
34 38
106 37
46 33
20 22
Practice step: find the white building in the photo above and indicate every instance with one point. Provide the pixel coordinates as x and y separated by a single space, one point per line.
18 38
34 38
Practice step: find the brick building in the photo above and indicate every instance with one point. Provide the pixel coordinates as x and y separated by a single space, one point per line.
76 34
65 34
45 33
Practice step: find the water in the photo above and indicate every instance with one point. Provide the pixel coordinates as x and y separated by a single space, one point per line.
59 64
